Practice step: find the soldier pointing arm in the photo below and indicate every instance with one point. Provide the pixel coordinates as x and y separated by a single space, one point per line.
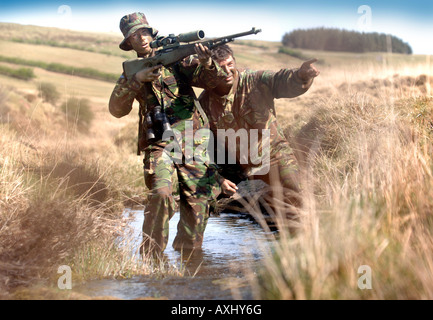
307 72
245 101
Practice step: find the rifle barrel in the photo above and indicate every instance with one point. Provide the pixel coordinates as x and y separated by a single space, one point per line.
170 55
238 35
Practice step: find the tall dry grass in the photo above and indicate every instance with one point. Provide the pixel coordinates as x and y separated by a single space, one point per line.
62 194
367 177
50 208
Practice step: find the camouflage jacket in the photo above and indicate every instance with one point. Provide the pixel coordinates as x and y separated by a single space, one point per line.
173 90
250 103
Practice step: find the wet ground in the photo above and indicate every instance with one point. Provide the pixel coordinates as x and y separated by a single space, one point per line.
233 247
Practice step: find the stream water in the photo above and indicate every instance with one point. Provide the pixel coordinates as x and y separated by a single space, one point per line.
232 244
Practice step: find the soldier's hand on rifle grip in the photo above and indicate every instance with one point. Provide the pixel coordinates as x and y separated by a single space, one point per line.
148 74
204 55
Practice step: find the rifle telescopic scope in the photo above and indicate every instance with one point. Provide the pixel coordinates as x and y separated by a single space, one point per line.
174 40
191 36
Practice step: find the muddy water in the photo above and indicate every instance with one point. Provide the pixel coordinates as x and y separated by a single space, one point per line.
232 245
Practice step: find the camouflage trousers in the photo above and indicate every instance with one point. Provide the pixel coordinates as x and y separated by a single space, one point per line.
284 196
193 182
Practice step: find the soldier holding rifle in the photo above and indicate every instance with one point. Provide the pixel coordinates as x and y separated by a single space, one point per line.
167 100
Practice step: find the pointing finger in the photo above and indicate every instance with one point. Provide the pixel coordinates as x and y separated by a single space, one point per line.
311 61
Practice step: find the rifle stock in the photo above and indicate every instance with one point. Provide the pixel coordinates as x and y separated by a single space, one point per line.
174 53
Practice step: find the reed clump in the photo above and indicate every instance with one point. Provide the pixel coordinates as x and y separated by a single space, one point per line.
367 177
61 202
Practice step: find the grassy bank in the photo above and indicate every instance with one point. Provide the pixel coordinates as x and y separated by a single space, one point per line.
61 68
104 43
367 176
62 194
19 73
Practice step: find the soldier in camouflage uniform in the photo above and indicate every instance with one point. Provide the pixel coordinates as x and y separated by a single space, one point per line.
245 100
170 88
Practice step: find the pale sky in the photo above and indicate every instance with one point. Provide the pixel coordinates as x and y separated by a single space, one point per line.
411 21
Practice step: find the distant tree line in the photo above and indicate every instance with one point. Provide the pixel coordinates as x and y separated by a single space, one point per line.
330 39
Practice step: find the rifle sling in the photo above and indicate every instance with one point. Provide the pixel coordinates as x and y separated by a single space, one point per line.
196 101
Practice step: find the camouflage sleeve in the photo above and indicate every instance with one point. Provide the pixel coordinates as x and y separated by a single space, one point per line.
285 83
216 172
123 96
208 78
202 77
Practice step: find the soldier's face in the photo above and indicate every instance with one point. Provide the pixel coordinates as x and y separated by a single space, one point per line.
140 42
229 66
